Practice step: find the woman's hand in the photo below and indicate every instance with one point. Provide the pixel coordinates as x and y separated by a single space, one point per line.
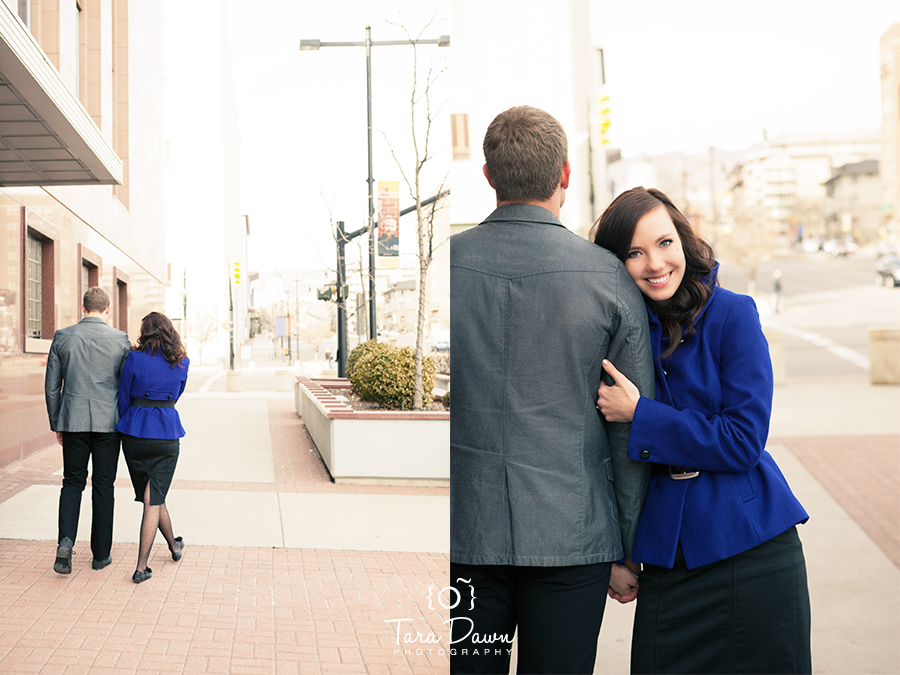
617 402
623 583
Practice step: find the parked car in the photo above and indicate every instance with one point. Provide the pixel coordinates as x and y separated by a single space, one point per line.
887 271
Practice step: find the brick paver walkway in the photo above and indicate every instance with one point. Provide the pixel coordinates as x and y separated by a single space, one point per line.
222 609
862 473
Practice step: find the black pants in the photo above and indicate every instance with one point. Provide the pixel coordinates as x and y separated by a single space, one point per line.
557 611
103 450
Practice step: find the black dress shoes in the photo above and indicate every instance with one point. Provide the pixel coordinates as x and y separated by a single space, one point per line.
139 576
63 564
176 554
100 564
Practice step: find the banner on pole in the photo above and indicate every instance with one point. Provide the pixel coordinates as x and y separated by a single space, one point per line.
388 210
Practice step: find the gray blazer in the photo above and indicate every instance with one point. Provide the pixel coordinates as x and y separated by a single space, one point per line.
537 476
81 385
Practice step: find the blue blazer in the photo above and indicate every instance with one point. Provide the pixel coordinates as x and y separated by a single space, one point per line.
711 413
150 377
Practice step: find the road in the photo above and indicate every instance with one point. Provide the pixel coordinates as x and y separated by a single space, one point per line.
828 306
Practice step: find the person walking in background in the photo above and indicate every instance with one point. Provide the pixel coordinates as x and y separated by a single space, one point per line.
543 497
80 387
153 378
723 587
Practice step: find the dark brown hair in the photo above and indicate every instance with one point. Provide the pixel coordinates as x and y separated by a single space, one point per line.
158 336
614 231
525 150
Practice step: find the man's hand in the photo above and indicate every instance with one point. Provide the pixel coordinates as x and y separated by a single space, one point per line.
623 583
59 437
617 403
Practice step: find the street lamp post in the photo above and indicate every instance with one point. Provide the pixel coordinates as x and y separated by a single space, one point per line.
315 45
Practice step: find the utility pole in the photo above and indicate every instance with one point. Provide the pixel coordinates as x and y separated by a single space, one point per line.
184 308
297 313
712 189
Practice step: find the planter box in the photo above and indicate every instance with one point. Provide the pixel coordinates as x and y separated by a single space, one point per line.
380 447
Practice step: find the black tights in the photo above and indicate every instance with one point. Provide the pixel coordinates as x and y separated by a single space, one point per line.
154 517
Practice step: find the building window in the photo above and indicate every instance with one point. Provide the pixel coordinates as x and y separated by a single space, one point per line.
34 286
460 132
121 305
25 12
80 58
39 276
85 279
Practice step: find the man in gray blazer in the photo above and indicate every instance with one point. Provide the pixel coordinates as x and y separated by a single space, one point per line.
543 498
81 390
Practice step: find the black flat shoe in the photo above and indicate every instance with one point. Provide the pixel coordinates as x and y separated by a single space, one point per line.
176 555
139 576
100 564
63 564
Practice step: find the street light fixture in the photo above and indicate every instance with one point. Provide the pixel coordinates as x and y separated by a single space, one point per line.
315 45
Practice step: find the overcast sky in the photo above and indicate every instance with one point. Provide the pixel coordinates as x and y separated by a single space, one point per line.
682 75
303 118
692 74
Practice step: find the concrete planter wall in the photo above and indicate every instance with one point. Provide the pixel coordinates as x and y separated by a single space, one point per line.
377 447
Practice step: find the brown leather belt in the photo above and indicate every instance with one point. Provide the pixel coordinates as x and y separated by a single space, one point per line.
675 472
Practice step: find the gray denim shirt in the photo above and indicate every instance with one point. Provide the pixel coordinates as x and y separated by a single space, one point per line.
538 478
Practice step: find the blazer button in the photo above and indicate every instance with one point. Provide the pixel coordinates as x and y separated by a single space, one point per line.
645 454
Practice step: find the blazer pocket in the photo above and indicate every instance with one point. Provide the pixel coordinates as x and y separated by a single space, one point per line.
744 485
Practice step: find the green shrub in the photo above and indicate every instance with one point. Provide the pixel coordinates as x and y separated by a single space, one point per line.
386 374
445 399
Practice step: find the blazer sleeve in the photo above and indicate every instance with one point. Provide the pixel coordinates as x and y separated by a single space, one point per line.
53 384
126 379
629 351
732 439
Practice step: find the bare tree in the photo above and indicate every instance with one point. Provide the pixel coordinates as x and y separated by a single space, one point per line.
203 328
749 242
315 331
421 109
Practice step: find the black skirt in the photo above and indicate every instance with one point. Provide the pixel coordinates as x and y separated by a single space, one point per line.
745 614
153 460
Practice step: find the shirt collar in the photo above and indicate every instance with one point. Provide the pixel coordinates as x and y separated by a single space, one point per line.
523 212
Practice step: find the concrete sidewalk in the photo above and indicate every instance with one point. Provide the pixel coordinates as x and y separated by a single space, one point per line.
285 572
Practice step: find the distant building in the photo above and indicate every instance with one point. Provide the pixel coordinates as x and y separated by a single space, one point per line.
207 233
783 179
853 208
401 304
81 185
890 130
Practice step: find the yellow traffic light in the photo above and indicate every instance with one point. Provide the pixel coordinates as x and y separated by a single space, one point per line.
237 272
603 119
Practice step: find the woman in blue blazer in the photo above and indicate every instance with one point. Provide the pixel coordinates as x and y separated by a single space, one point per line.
723 585
153 378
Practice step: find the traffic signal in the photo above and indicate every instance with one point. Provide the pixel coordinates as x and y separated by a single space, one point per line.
237 272
326 292
603 119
